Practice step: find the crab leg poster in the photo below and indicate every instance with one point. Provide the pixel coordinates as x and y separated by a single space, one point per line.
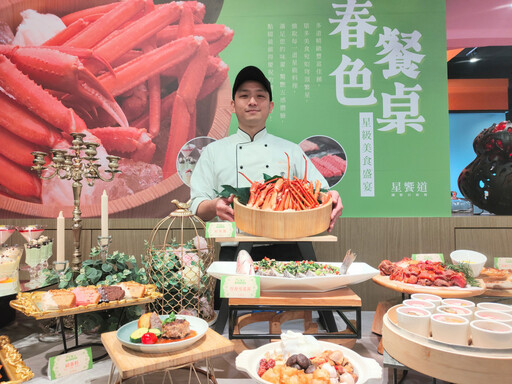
361 85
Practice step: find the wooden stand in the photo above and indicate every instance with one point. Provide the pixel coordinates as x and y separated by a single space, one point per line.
297 305
131 363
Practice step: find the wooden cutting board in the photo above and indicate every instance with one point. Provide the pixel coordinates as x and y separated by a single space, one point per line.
444 292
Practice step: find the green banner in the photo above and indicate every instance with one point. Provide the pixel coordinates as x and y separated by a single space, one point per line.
362 86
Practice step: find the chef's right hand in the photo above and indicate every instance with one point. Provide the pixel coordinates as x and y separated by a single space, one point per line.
224 210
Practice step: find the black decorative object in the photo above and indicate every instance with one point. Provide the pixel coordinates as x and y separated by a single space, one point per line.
487 180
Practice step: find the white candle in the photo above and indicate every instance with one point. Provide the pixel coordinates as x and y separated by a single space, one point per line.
104 214
61 233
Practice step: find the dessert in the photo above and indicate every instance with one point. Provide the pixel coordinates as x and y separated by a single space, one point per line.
58 299
111 293
86 295
497 278
132 289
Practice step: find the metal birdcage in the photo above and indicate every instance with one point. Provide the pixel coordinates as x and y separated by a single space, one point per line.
177 257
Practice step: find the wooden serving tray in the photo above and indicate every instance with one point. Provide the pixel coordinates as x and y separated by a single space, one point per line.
444 292
30 304
455 364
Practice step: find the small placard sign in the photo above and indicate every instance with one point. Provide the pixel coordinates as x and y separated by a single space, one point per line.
503 262
69 363
240 286
428 256
220 229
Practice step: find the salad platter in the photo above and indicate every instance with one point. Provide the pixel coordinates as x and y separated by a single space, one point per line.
356 273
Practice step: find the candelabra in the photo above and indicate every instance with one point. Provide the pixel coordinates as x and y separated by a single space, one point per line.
74 166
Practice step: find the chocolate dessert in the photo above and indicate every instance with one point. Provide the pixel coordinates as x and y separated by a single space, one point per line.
110 293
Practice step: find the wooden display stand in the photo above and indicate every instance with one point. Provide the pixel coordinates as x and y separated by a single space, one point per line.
132 363
297 305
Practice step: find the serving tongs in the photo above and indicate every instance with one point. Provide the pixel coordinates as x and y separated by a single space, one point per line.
347 261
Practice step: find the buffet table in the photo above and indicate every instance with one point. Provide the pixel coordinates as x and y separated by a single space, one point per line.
131 364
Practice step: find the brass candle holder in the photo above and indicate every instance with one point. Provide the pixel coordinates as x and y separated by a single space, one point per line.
73 166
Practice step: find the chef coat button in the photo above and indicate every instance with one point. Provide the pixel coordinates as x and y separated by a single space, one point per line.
266 145
267 166
240 147
241 167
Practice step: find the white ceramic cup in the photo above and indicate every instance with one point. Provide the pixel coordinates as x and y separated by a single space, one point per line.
491 334
427 296
456 310
494 307
414 319
428 305
502 317
451 329
459 302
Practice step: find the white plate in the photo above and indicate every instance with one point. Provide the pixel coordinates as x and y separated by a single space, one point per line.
365 368
196 324
357 273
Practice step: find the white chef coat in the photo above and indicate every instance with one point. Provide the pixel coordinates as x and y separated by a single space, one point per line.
222 160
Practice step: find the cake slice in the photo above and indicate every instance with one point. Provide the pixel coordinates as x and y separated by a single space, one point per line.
86 295
111 293
58 299
132 289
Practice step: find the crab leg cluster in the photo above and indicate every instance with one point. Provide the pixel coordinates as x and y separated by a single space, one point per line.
280 194
129 74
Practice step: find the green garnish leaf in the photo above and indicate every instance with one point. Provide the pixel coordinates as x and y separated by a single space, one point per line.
170 318
242 194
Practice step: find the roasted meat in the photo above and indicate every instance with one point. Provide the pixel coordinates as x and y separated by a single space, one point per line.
177 329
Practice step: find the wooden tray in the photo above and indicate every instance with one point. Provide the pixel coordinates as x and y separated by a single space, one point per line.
12 363
498 292
445 292
455 364
282 224
29 303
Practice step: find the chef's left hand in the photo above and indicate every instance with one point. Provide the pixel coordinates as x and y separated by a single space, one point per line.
337 208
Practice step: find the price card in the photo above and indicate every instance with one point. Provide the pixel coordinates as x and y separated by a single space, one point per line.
69 363
428 256
240 286
503 262
220 229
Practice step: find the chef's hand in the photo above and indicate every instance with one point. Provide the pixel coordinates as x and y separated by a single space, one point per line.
224 210
337 208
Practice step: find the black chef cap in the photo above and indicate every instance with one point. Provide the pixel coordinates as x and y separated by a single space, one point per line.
251 73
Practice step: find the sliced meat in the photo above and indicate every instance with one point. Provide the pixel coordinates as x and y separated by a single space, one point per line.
178 329
155 321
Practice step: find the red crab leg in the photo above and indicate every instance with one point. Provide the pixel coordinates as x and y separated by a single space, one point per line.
100 9
198 10
155 100
134 142
17 180
186 25
136 33
211 83
109 22
217 46
185 106
213 63
139 70
66 34
211 32
64 72
16 149
36 99
26 125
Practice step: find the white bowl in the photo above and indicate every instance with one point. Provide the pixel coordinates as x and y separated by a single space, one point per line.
414 319
491 334
366 369
494 307
456 310
459 302
451 329
502 317
475 260
427 296
425 304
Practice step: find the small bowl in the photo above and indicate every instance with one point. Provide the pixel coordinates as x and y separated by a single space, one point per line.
424 304
428 297
451 329
491 334
456 310
414 319
502 317
475 260
460 303
494 307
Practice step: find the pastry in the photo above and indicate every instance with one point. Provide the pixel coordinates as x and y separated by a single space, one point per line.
111 293
86 295
58 299
132 289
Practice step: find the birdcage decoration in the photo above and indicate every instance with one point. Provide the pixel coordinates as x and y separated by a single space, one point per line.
177 257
